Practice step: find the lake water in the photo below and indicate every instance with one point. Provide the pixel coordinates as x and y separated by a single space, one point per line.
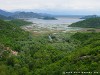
60 24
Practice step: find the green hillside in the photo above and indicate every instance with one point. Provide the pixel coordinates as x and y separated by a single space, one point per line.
38 55
86 58
20 22
10 33
88 23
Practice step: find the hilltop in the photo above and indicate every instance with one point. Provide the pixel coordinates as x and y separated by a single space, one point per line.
87 23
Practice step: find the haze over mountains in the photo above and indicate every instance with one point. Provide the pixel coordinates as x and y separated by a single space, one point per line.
29 14
5 13
20 14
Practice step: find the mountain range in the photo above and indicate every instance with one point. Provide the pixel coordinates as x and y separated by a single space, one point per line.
5 13
20 14
5 17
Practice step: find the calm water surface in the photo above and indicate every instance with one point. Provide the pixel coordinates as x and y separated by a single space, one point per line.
60 24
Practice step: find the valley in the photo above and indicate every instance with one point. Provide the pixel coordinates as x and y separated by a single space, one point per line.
49 47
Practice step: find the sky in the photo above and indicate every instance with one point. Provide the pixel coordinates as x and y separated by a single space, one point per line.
67 7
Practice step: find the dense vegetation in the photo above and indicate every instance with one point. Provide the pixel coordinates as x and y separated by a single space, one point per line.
88 23
20 22
49 18
38 55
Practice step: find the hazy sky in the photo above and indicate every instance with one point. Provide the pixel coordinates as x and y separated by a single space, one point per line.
53 6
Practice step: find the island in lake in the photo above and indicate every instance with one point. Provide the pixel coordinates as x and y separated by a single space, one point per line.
48 18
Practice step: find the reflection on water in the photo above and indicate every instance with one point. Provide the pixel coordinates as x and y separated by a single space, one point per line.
60 24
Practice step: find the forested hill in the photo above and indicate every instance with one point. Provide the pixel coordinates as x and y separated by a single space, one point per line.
88 23
10 33
86 58
19 22
37 55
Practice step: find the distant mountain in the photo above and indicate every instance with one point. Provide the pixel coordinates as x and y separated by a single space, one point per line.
23 14
5 18
5 13
89 16
69 16
45 14
26 15
33 15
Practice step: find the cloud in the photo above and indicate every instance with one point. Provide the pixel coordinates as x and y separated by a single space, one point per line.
68 5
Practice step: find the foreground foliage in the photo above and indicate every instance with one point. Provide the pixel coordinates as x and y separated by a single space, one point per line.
19 22
38 55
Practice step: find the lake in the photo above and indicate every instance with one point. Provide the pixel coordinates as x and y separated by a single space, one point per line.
60 24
